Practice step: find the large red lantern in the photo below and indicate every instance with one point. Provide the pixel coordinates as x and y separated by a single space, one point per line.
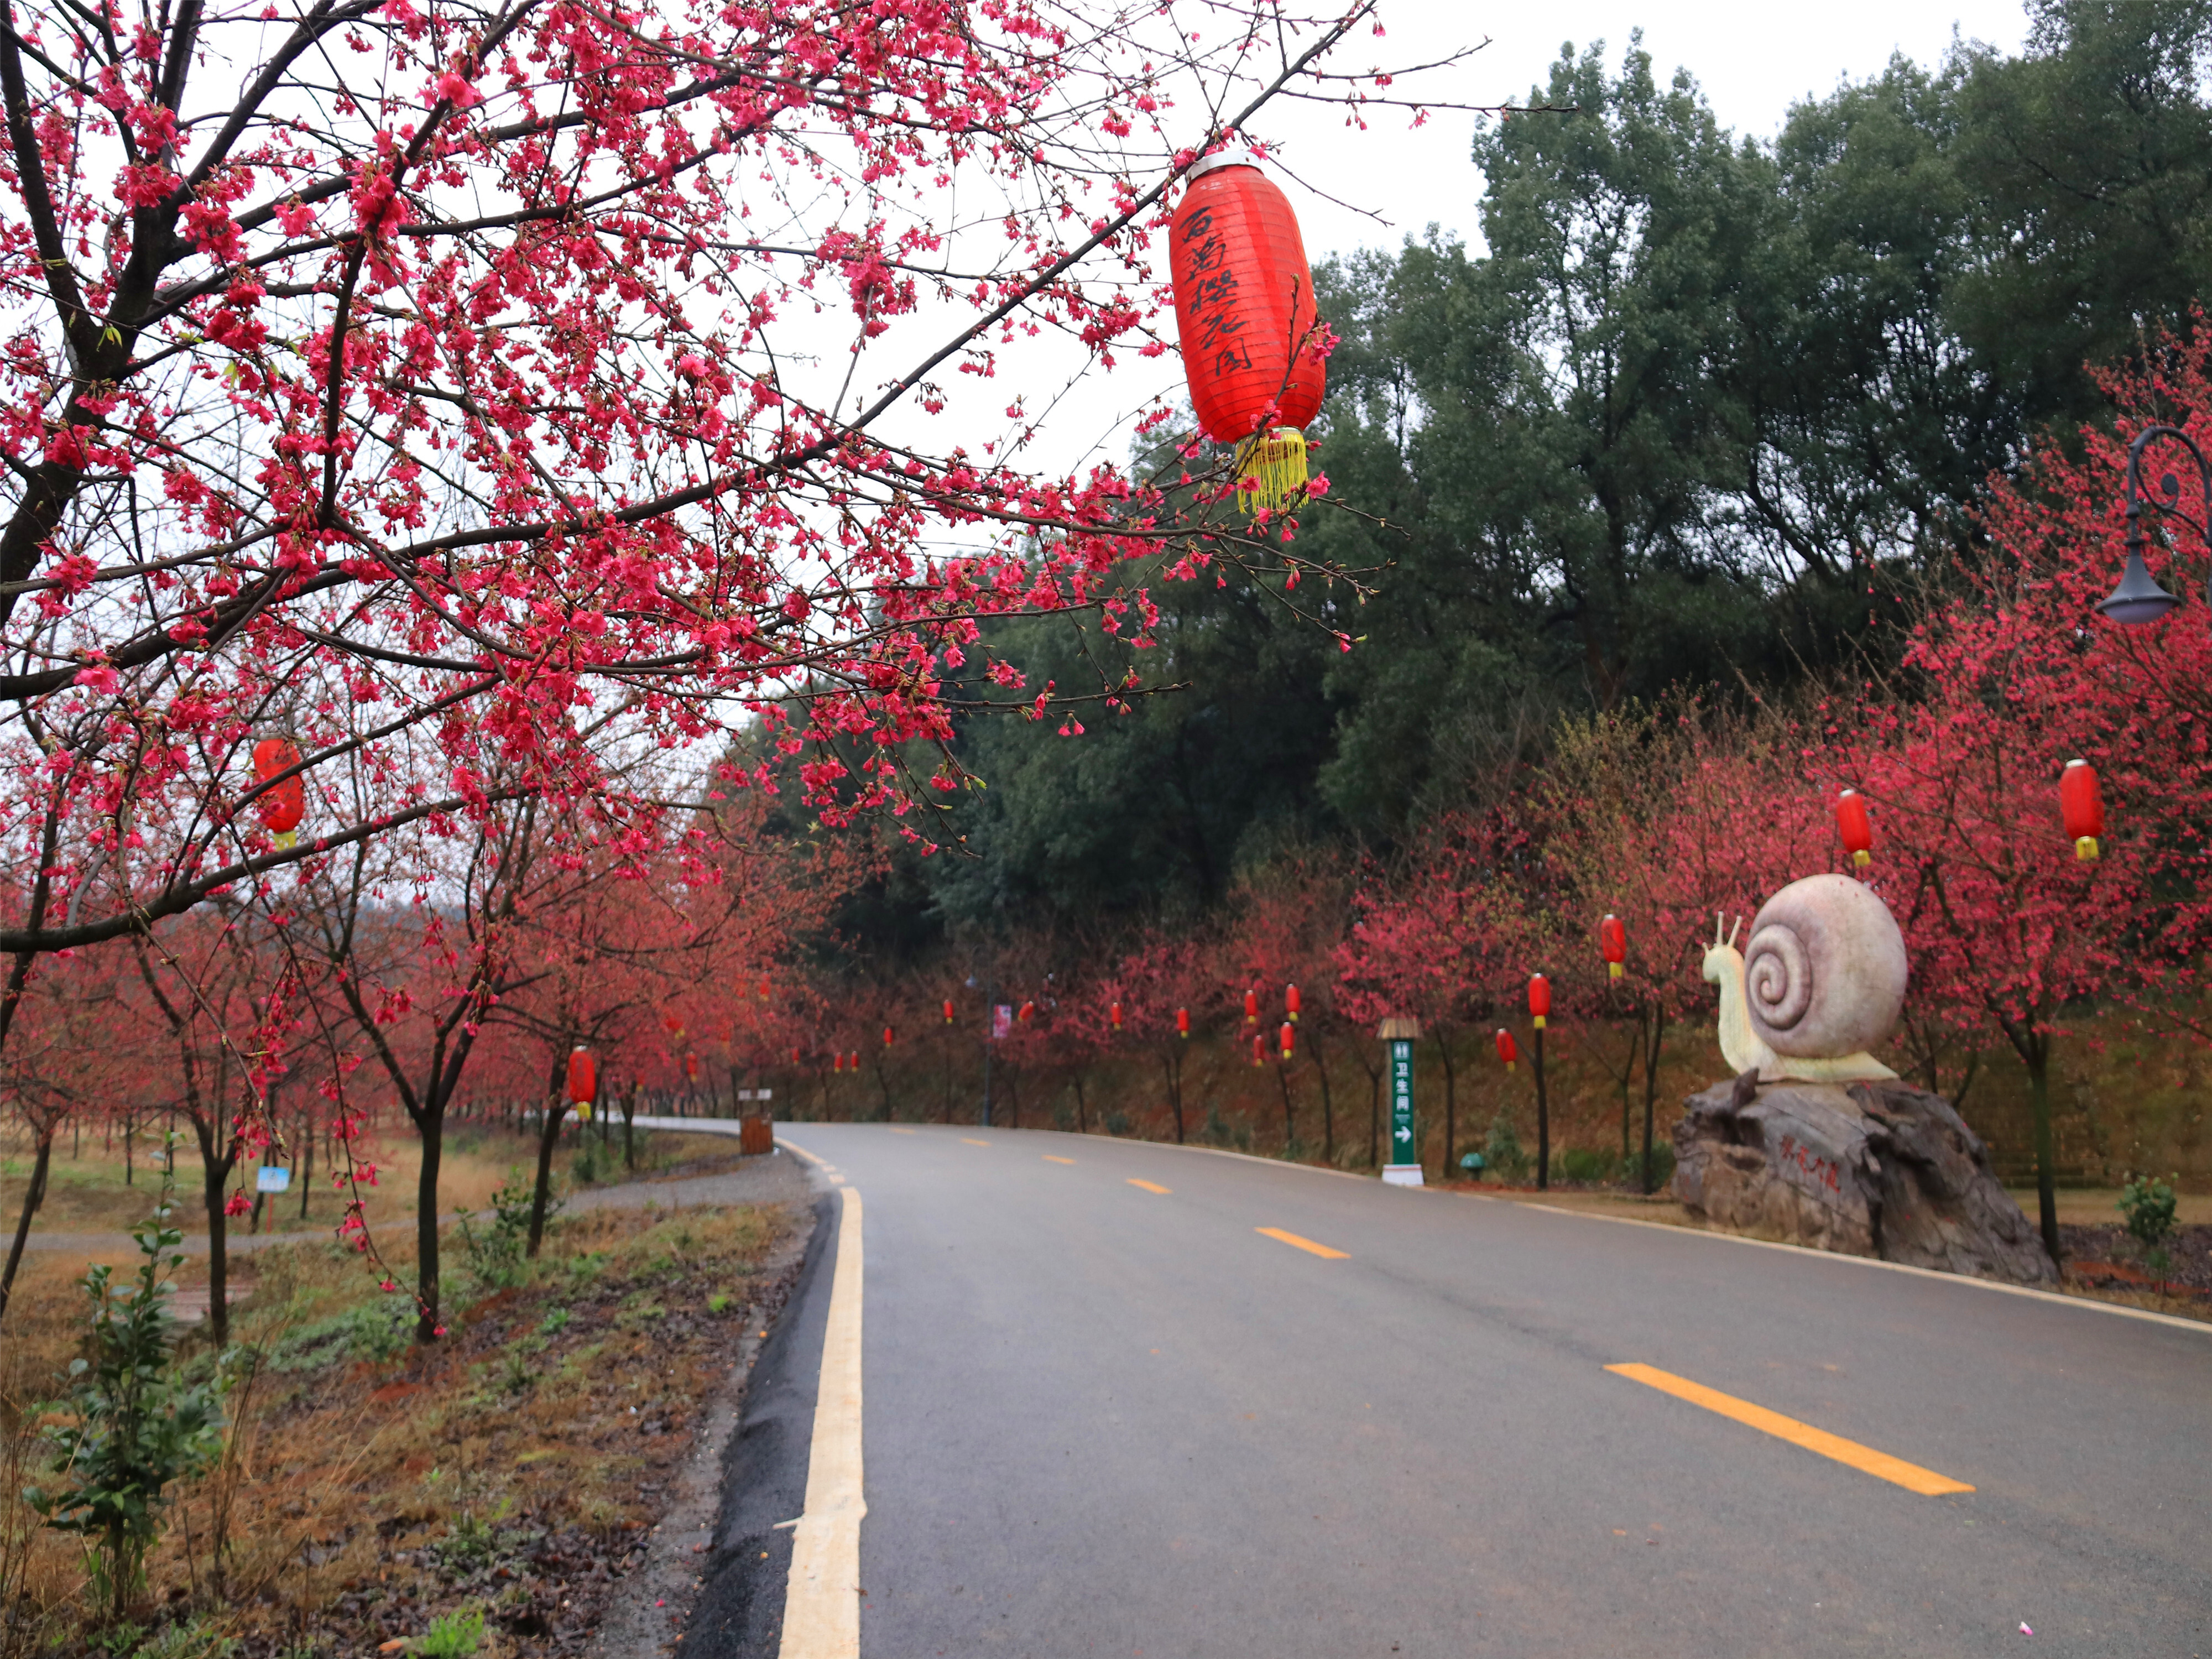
583 1076
1858 833
1028 1012
2082 807
1290 1039
1506 1051
281 806
1539 998
1244 313
1252 1006
1292 1002
1613 945
1182 1024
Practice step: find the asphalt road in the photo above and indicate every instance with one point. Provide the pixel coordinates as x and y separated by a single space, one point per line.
1100 1418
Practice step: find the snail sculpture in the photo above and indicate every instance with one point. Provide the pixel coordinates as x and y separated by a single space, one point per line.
1818 984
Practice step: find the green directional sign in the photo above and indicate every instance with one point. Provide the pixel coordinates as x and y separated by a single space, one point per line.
1405 1166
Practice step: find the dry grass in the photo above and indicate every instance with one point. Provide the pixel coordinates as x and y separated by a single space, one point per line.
370 1485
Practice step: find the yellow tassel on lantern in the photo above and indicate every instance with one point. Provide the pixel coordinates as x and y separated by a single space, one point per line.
1271 472
2085 847
286 840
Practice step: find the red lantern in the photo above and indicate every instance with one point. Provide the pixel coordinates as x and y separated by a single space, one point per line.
691 1067
887 1037
1292 1002
674 1025
1252 1006
1028 1009
1244 312
1858 833
1113 1013
1182 1024
837 1061
1613 942
2082 807
281 806
1506 1051
1290 1039
856 1060
1258 1049
1539 998
583 1076
761 990
948 1011
795 1056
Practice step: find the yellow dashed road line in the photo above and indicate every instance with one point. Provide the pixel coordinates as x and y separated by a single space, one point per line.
1911 1476
1149 1186
1307 1245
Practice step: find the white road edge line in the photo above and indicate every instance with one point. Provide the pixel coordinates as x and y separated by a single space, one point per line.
822 1599
2200 1327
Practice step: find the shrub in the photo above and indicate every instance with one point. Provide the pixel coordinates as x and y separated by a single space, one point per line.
495 1259
453 1635
1581 1163
1502 1149
376 1331
1663 1168
137 1426
2149 1207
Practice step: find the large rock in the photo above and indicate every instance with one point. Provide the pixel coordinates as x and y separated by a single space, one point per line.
1880 1169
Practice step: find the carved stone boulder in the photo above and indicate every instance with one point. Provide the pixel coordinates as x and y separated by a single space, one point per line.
1877 1168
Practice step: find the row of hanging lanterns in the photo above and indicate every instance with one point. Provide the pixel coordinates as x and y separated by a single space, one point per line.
2081 809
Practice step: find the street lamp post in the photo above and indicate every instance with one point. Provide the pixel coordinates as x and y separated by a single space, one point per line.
2139 600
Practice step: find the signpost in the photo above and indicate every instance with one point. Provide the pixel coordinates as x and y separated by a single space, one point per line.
1404 1168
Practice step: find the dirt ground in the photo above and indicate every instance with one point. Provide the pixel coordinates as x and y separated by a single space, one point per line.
514 1469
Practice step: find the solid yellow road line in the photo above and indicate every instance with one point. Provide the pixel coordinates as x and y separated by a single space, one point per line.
822 1596
970 1140
1292 1239
1049 1158
1865 1459
1149 1186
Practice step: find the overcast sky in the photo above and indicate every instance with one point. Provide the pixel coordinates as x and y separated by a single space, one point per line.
1753 62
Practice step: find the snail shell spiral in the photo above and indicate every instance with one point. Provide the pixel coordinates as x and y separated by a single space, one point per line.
1823 971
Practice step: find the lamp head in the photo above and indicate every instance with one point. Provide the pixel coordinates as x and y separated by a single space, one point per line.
2138 600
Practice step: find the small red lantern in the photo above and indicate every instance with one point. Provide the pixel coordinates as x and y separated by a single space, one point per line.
948 1011
837 1061
1613 941
1857 832
1028 1009
1290 1039
1252 1006
761 990
1292 1002
1539 998
2082 806
795 1056
583 1079
1506 1051
281 806
1182 1024
691 1067
856 1060
887 1037
675 1026
1113 1013
1259 1050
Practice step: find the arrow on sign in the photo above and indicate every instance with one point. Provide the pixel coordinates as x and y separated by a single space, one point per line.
1405 1134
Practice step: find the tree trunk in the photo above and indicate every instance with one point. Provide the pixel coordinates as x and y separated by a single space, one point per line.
629 1119
2038 1056
1171 1064
1327 1108
1081 1109
215 1175
33 1198
1290 1124
432 1124
548 1133
1651 1084
1451 1102
307 1160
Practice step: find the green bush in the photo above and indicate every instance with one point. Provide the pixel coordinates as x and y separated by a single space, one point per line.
1663 1168
375 1331
1581 1163
137 1426
1502 1151
2150 1207
495 1259
453 1635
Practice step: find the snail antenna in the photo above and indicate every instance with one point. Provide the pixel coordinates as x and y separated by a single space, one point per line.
1734 930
